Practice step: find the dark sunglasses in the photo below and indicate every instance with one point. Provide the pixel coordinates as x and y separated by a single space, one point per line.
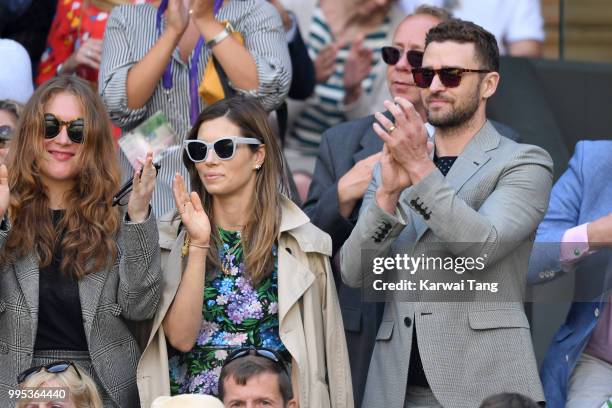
53 368
392 55
6 132
450 77
53 126
225 148
258 351
123 195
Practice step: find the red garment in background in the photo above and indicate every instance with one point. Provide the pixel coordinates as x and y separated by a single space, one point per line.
75 22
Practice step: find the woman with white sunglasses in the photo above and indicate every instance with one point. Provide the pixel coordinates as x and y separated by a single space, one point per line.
247 268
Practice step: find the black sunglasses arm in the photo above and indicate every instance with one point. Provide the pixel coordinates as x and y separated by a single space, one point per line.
127 187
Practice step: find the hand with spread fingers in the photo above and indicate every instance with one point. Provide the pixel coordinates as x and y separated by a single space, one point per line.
142 191
5 193
193 216
406 138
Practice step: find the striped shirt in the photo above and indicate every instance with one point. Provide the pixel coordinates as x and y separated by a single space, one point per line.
130 34
325 108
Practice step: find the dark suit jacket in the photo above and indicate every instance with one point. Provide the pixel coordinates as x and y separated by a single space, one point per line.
341 147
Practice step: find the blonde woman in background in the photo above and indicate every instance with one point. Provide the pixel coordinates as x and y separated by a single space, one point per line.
73 388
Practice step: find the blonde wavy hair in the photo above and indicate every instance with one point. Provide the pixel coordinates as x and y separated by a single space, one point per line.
263 225
90 223
82 391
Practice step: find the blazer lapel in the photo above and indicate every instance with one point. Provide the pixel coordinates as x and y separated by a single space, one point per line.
472 159
90 290
370 144
26 270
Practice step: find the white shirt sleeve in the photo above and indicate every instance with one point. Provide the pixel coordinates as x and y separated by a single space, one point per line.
526 22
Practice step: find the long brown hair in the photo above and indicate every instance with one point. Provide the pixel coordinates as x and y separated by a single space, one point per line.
263 225
88 228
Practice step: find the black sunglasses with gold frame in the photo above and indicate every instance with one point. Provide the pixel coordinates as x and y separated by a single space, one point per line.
75 128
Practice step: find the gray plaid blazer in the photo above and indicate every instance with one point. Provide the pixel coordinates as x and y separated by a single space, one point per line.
472 344
130 289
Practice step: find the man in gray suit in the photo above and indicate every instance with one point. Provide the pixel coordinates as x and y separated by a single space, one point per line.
469 193
343 171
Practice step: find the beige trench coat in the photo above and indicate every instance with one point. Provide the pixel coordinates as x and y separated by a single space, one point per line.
309 315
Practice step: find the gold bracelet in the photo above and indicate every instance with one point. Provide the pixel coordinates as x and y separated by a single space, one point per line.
191 244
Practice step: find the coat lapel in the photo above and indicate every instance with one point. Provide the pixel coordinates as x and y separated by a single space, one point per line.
370 144
472 159
90 290
26 270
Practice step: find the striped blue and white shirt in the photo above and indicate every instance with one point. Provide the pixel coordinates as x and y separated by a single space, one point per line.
325 108
130 34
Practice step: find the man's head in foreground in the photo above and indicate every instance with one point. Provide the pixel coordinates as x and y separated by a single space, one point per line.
254 381
458 74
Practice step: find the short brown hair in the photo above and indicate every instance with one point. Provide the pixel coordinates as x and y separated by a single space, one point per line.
467 32
244 368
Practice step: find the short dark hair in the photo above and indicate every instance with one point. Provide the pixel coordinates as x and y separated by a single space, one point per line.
244 368
509 400
467 32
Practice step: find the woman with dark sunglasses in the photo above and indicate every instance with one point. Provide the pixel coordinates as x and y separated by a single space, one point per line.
73 269
247 268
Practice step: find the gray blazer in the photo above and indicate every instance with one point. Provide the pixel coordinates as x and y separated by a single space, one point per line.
130 289
491 201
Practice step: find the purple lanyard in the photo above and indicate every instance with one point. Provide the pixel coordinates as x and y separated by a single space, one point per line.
194 106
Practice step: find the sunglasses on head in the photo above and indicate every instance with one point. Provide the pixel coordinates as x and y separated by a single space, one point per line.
53 368
392 55
450 77
53 126
257 351
225 148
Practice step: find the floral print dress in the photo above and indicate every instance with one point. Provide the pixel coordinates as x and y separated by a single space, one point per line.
235 315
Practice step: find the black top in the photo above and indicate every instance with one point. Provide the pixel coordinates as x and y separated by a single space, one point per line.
416 375
445 163
60 322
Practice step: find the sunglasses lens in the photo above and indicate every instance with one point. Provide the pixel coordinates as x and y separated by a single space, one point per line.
52 126
415 58
197 151
6 132
25 374
58 368
75 130
450 77
423 77
390 55
224 148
